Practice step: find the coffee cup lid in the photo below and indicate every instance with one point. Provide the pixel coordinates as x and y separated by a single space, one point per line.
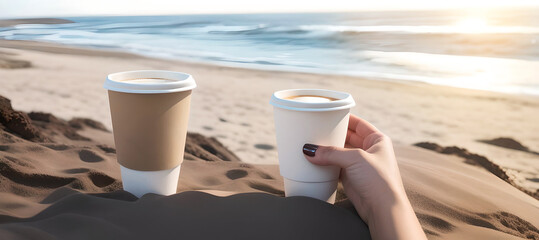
134 81
344 100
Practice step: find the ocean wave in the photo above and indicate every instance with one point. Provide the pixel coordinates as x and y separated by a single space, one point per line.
461 71
283 30
139 25
325 30
264 29
443 29
436 54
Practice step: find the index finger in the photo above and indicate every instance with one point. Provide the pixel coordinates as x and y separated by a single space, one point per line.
360 126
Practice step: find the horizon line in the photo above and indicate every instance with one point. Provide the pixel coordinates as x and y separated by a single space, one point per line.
278 12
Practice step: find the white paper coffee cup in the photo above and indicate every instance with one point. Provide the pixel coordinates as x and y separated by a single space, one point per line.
299 122
150 111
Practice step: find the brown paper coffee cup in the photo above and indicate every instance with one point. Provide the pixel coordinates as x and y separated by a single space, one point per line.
150 112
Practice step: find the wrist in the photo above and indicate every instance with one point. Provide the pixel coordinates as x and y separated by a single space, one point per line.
394 218
387 204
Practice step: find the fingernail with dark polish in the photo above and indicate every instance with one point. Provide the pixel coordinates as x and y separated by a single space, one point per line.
309 149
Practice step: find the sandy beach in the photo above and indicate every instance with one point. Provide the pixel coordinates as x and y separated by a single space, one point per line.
232 104
454 197
58 176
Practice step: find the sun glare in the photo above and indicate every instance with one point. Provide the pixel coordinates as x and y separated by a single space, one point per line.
472 25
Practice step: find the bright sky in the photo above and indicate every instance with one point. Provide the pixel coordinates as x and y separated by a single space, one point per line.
52 8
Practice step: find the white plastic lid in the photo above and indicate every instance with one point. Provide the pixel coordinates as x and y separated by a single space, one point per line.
149 81
344 100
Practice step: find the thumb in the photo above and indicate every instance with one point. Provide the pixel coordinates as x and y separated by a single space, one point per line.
334 156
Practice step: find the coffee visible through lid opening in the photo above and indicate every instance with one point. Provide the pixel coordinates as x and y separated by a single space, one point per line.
310 98
313 100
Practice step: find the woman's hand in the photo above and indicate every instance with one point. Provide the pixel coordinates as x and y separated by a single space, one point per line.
371 179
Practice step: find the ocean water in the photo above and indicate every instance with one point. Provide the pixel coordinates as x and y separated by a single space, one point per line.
495 50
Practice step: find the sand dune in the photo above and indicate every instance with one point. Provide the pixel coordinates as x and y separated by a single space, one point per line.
509 143
476 159
62 181
41 153
13 63
475 203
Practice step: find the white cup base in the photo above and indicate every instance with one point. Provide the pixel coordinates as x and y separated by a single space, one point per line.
138 183
324 191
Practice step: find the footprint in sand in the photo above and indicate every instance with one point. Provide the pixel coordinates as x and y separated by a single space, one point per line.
106 148
100 179
57 147
76 170
439 224
514 222
264 146
266 188
533 179
32 179
236 173
265 175
89 156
